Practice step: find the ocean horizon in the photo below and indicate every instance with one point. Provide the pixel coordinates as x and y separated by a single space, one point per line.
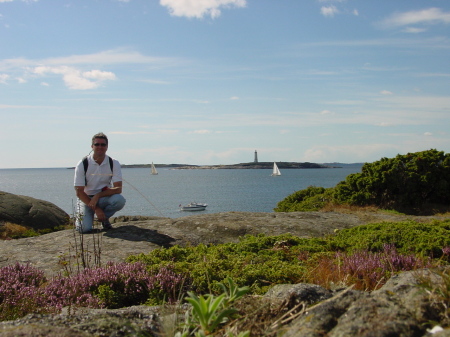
224 190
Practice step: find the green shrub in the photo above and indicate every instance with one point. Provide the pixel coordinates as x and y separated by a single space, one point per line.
406 182
412 183
256 262
311 199
425 239
261 261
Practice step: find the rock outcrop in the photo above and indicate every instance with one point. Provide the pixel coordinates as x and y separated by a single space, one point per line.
400 308
134 235
30 212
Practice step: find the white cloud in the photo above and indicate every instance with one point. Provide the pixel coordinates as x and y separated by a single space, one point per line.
425 16
326 112
74 78
413 30
234 98
99 75
386 92
427 134
355 12
201 132
200 8
4 78
116 56
329 11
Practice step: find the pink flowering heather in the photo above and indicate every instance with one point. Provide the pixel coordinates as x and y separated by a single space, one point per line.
21 291
446 251
373 269
116 285
167 285
24 289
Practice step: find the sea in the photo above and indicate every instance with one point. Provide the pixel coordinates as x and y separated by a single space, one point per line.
224 190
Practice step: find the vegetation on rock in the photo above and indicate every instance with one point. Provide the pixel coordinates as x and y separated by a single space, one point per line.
364 256
412 183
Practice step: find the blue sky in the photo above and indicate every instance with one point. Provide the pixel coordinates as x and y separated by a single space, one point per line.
211 81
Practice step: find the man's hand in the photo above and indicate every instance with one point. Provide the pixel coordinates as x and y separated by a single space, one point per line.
93 202
100 214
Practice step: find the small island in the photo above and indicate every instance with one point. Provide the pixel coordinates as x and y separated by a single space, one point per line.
251 165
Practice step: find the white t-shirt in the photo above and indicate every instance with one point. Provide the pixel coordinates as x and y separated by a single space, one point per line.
97 176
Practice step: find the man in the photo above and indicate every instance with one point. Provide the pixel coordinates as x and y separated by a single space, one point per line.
98 185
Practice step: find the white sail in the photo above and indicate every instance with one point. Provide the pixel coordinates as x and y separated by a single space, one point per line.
154 169
276 171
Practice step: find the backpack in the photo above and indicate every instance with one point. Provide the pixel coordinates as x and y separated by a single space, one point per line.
86 164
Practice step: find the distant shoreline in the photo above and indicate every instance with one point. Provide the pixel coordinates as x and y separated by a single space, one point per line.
259 165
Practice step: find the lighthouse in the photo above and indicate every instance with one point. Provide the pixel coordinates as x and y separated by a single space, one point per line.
256 157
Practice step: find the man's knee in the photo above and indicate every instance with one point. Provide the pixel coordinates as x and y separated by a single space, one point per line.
118 201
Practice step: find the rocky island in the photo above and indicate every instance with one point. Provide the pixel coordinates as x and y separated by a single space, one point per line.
251 165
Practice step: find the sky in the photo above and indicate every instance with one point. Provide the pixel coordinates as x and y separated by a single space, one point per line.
208 82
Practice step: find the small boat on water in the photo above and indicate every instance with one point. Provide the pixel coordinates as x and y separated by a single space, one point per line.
193 206
154 172
275 171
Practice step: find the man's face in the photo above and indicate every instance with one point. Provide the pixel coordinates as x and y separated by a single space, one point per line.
99 146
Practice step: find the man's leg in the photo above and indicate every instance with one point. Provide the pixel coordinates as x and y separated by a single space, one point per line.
84 218
110 206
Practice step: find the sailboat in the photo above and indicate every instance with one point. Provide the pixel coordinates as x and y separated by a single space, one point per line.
276 171
154 169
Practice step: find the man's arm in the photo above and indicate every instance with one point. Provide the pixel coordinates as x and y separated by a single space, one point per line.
116 189
81 194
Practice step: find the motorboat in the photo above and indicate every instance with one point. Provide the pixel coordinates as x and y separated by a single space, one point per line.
193 206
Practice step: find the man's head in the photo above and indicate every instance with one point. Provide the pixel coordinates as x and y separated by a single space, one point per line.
99 144
99 135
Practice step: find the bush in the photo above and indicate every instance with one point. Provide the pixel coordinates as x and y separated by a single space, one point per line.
308 200
262 261
407 182
257 262
425 239
413 183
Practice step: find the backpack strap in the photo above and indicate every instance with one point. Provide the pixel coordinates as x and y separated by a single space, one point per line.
111 164
86 164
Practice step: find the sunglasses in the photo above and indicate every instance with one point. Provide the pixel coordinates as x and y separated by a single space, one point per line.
100 144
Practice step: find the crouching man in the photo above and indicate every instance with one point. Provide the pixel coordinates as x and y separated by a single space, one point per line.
98 186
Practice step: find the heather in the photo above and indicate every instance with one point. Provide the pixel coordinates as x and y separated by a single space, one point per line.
363 256
24 289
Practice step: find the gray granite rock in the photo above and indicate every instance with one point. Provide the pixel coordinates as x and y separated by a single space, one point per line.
135 235
30 212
